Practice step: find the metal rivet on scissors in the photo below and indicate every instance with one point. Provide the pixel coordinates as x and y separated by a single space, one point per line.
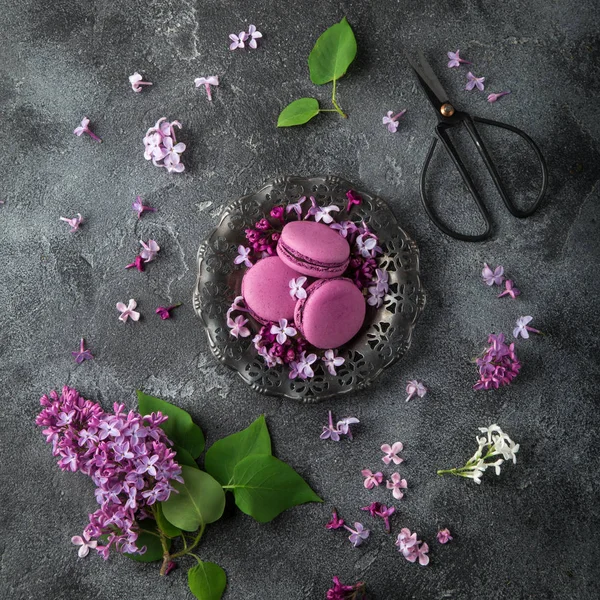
449 117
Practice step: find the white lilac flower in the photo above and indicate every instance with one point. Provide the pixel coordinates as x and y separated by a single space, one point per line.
242 256
332 361
282 331
296 288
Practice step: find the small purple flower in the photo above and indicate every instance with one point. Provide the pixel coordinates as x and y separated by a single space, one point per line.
237 326
510 290
396 485
455 59
371 479
85 543
377 509
74 223
296 207
84 128
495 277
357 535
344 228
237 41
367 245
263 225
296 288
302 367
415 387
149 250
277 213
138 263
392 121
443 536
136 82
171 158
339 591
391 453
242 257
282 331
496 97
83 354
331 360
353 198
498 365
321 213
406 540
336 522
344 426
523 328
253 35
139 207
127 311
165 312
474 82
207 82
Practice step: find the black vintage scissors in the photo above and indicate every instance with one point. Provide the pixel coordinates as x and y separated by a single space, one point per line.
449 117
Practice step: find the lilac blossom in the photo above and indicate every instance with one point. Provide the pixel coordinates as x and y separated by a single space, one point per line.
160 144
411 548
391 453
377 509
332 361
367 245
164 312
510 290
345 228
84 128
523 328
496 97
237 41
149 250
357 535
474 82
138 263
344 426
302 367
282 331
443 536
392 121
296 206
297 288
242 256
396 485
321 213
114 450
253 35
378 291
498 365
353 198
136 82
415 387
83 354
456 60
139 207
336 522
207 82
371 479
127 311
237 326
74 223
495 277
85 543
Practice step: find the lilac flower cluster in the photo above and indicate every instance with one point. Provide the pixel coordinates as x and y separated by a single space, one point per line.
263 237
161 145
499 364
290 349
339 591
127 456
411 548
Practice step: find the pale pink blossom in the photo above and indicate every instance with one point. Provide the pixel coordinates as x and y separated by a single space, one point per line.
85 543
496 97
474 82
253 35
237 326
396 485
149 250
391 453
282 331
456 60
415 387
242 256
443 536
332 361
136 82
127 311
84 128
237 41
392 121
207 82
371 479
74 223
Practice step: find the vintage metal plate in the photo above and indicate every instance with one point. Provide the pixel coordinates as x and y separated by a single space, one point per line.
386 333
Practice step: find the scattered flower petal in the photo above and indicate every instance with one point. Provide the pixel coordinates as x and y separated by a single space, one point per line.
392 121
339 591
523 328
139 207
411 548
357 535
243 256
474 82
376 509
297 290
415 387
496 97
84 128
237 41
344 426
336 522
74 223
456 60
253 35
443 536
510 290
138 263
149 250
332 361
391 453
330 432
127 311
165 312
353 198
237 327
85 543
371 479
296 206
207 82
83 354
282 331
495 277
136 82
396 485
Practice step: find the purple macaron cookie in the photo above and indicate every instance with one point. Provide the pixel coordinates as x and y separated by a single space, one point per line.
331 314
313 249
266 290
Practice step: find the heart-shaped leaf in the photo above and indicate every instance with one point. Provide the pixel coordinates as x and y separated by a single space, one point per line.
179 427
265 486
224 455
298 112
332 54
148 537
207 581
201 500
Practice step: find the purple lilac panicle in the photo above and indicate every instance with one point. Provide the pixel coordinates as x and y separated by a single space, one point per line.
127 456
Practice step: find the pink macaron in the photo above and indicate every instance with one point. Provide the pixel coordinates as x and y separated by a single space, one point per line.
313 249
331 314
266 290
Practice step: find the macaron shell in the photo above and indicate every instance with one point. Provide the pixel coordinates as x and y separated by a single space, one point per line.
266 290
331 314
313 249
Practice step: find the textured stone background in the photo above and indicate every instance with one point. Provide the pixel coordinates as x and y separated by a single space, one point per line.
531 533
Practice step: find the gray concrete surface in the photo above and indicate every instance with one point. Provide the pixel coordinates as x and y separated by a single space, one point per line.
531 533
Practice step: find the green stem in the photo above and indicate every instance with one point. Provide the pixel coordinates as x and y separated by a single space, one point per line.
337 107
167 558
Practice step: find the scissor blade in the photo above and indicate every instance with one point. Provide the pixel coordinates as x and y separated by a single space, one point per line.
430 83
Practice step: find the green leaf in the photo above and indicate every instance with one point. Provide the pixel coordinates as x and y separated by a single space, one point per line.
333 53
165 526
148 537
184 457
298 112
207 581
222 457
200 500
180 428
265 486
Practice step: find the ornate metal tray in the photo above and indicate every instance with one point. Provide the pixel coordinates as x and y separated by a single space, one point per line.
386 333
